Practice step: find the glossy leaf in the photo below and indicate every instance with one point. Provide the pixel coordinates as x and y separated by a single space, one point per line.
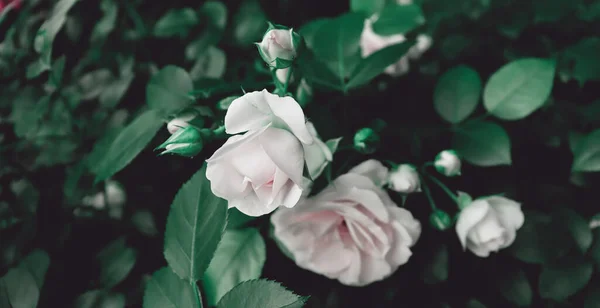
260 294
457 93
519 88
195 225
586 157
483 144
166 290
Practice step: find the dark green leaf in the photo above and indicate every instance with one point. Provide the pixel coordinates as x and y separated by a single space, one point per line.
176 22
317 73
23 283
116 261
595 249
216 11
368 7
579 61
515 287
309 30
519 88
483 144
398 19
457 93
100 299
195 225
260 294
237 219
561 280
436 270
473 303
166 290
578 227
376 63
592 299
249 23
587 156
168 90
108 21
128 144
239 257
553 10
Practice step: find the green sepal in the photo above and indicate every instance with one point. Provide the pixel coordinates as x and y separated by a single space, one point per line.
189 150
463 200
366 140
184 135
440 220
282 63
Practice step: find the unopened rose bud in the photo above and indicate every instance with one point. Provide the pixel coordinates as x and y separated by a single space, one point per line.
447 163
405 179
279 46
181 121
282 75
185 142
440 220
366 140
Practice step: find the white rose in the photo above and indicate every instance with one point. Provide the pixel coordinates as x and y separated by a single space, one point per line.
278 43
405 179
351 231
371 42
318 155
261 169
489 224
447 163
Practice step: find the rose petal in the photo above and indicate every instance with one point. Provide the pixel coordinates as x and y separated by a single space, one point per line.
372 169
253 162
352 274
509 212
406 220
234 142
373 269
251 205
469 217
289 111
248 112
285 151
478 250
225 181
489 228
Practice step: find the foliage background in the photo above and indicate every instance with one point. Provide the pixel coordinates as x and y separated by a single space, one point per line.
483 34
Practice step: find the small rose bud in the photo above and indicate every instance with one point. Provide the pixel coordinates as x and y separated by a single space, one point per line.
282 75
279 46
183 120
440 220
405 179
366 140
304 93
185 142
447 163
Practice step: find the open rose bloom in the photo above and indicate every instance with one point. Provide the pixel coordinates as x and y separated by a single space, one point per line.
351 231
261 169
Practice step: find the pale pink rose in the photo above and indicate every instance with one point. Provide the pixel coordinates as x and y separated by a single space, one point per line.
262 169
278 43
371 42
489 224
351 231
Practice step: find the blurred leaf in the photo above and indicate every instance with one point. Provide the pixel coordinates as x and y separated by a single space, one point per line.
93 83
339 45
566 277
28 114
100 149
165 289
260 294
168 90
71 188
27 195
107 23
587 156
176 22
216 11
249 23
473 303
368 7
22 284
143 220
56 73
575 139
519 88
579 61
116 261
398 19
114 91
210 64
589 12
553 10
436 270
317 73
309 30
240 256
457 93
515 287
376 63
195 225
578 227
100 299
128 144
592 299
595 249
483 144
541 239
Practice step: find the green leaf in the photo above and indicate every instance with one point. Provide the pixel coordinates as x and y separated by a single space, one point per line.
56 75
309 30
553 10
166 290
515 287
578 227
368 7
22 284
195 225
210 64
595 249
457 93
114 91
398 19
339 45
260 294
116 261
317 73
333 144
575 139
541 239
473 303
586 158
237 219
436 270
376 63
239 257
216 11
100 299
482 144
579 61
168 90
176 22
107 23
128 144
519 88
249 23
561 280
